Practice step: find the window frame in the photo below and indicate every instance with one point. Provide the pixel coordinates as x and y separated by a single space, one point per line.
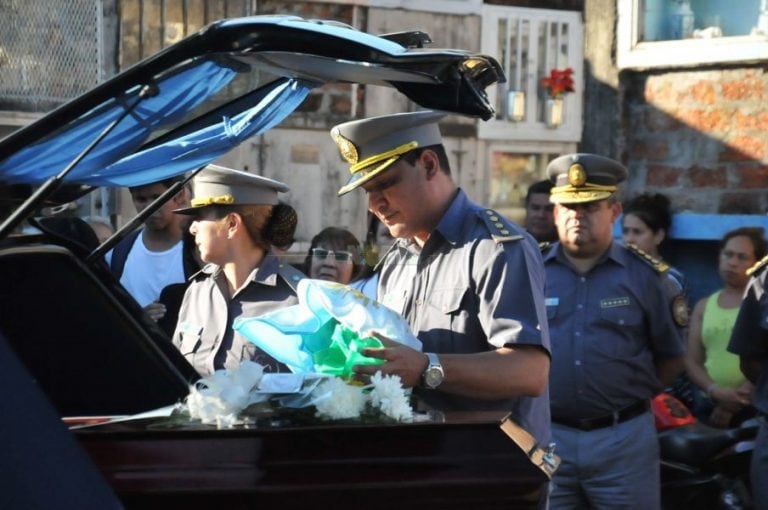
532 129
543 148
632 54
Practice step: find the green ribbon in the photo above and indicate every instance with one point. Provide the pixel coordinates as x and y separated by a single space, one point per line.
336 349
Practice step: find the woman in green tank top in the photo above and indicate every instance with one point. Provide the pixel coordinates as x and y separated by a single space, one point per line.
724 394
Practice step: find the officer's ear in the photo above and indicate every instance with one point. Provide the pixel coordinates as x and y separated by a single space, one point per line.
233 222
430 162
616 209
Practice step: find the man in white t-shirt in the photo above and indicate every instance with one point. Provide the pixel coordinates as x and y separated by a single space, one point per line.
155 256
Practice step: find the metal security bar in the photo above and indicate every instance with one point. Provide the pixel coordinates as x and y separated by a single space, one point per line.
50 51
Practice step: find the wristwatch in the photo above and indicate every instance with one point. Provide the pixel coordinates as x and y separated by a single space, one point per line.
434 374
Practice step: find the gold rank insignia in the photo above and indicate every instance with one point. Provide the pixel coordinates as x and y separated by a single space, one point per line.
659 265
758 266
498 230
614 302
680 311
576 175
346 147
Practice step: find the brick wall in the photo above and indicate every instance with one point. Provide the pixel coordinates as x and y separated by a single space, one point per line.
701 136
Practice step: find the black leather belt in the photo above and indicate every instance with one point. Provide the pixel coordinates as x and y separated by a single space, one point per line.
608 420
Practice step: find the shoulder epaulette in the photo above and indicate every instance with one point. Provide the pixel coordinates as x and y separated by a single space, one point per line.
290 274
758 266
659 265
499 231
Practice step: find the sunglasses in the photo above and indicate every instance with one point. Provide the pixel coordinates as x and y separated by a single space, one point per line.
340 256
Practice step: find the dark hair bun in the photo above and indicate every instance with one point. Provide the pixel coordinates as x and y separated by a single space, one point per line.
653 209
282 226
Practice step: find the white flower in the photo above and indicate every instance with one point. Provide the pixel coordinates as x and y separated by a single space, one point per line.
335 399
221 396
389 396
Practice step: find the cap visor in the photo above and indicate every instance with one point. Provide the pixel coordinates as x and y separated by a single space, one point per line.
363 176
189 211
578 197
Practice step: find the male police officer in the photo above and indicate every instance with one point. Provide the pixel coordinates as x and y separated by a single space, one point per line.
749 339
615 343
539 221
469 283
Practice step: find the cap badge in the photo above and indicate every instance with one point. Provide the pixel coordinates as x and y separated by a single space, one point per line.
346 147
576 175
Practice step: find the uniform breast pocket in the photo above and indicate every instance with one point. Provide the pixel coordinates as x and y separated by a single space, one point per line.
191 335
552 305
394 301
627 324
448 310
244 350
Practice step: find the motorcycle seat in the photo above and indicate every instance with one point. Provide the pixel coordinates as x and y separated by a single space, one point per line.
695 444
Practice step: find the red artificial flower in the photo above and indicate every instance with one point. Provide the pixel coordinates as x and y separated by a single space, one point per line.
558 82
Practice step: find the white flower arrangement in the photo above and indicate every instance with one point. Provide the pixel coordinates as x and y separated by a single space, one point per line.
389 396
334 399
221 398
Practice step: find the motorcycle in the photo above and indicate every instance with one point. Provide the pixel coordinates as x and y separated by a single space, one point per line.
702 467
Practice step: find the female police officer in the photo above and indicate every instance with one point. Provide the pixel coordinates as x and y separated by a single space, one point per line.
236 219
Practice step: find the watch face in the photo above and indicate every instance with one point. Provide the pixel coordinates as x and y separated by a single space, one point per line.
433 377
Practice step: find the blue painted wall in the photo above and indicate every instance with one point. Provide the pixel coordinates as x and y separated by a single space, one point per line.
693 245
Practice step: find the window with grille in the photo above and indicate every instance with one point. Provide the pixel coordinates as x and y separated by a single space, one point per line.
530 44
50 51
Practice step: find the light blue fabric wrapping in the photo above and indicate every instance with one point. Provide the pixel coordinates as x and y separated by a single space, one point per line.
287 334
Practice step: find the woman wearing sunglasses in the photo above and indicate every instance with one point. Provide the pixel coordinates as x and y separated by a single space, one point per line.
334 255
236 219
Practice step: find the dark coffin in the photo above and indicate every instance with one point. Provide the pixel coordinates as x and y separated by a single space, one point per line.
464 461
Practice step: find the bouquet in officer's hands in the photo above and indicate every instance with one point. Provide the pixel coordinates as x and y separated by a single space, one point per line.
327 331
320 340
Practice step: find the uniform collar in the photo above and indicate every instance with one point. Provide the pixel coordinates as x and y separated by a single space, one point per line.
451 224
265 273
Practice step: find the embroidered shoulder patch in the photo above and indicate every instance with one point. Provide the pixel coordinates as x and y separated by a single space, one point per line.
680 311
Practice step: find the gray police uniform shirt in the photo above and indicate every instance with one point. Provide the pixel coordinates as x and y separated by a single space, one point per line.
607 328
749 337
204 333
464 292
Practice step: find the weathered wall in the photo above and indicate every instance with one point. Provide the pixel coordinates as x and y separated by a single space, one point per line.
602 133
301 152
700 136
